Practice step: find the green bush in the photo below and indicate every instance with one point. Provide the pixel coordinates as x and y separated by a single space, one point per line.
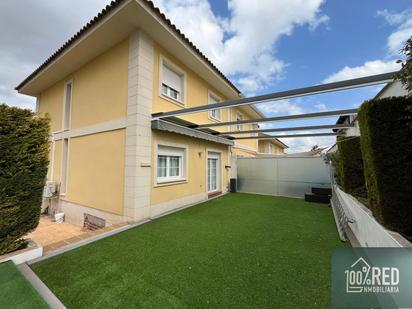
386 141
24 147
350 165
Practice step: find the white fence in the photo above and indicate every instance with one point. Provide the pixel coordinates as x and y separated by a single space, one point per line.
282 176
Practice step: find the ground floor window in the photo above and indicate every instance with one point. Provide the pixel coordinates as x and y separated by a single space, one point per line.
170 164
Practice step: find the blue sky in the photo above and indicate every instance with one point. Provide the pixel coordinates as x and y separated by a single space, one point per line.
263 46
313 42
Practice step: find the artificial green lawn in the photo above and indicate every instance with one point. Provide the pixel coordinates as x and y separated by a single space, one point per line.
240 250
16 291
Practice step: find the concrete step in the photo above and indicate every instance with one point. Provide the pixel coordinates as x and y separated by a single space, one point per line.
315 198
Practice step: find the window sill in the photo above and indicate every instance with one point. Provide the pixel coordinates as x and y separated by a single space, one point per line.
174 101
164 183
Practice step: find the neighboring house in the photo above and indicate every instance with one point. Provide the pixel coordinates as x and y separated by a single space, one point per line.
271 146
392 89
100 89
311 153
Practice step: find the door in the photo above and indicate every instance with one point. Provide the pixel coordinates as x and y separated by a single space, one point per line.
213 172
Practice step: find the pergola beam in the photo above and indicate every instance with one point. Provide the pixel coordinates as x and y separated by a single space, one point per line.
280 118
320 127
287 136
299 92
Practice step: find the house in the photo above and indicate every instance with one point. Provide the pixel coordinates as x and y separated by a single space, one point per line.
392 89
109 159
311 153
270 146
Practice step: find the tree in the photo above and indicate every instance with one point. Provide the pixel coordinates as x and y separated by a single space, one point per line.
405 73
24 148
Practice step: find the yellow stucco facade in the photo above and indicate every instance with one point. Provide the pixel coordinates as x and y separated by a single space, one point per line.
96 171
101 155
274 149
196 90
95 165
51 104
195 173
100 88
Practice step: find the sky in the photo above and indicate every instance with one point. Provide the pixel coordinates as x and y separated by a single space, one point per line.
262 46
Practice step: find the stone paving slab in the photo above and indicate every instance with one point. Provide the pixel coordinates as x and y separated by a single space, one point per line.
53 236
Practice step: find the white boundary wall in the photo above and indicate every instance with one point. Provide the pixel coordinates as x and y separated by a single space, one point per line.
368 231
282 176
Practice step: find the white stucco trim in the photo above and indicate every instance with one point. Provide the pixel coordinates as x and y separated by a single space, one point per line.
50 172
244 147
92 129
138 154
67 168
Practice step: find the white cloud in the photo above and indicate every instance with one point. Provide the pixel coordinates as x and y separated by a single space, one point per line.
300 144
368 68
403 22
243 44
323 19
279 107
27 38
320 107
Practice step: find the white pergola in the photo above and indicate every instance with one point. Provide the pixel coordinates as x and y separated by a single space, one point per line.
272 97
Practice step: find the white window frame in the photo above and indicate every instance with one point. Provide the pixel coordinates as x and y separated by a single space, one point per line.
219 175
67 106
214 114
239 117
173 67
171 149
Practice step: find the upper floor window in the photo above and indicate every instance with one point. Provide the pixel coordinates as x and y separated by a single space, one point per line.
213 99
67 108
172 81
239 117
270 148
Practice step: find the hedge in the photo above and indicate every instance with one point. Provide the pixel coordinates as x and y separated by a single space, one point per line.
24 148
386 142
350 165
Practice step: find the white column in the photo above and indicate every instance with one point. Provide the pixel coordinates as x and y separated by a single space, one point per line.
138 128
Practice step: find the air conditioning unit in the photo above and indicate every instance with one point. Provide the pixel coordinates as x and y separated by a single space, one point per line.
50 189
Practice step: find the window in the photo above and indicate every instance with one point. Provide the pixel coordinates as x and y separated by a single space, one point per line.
172 82
214 113
67 105
65 156
239 117
170 164
270 148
